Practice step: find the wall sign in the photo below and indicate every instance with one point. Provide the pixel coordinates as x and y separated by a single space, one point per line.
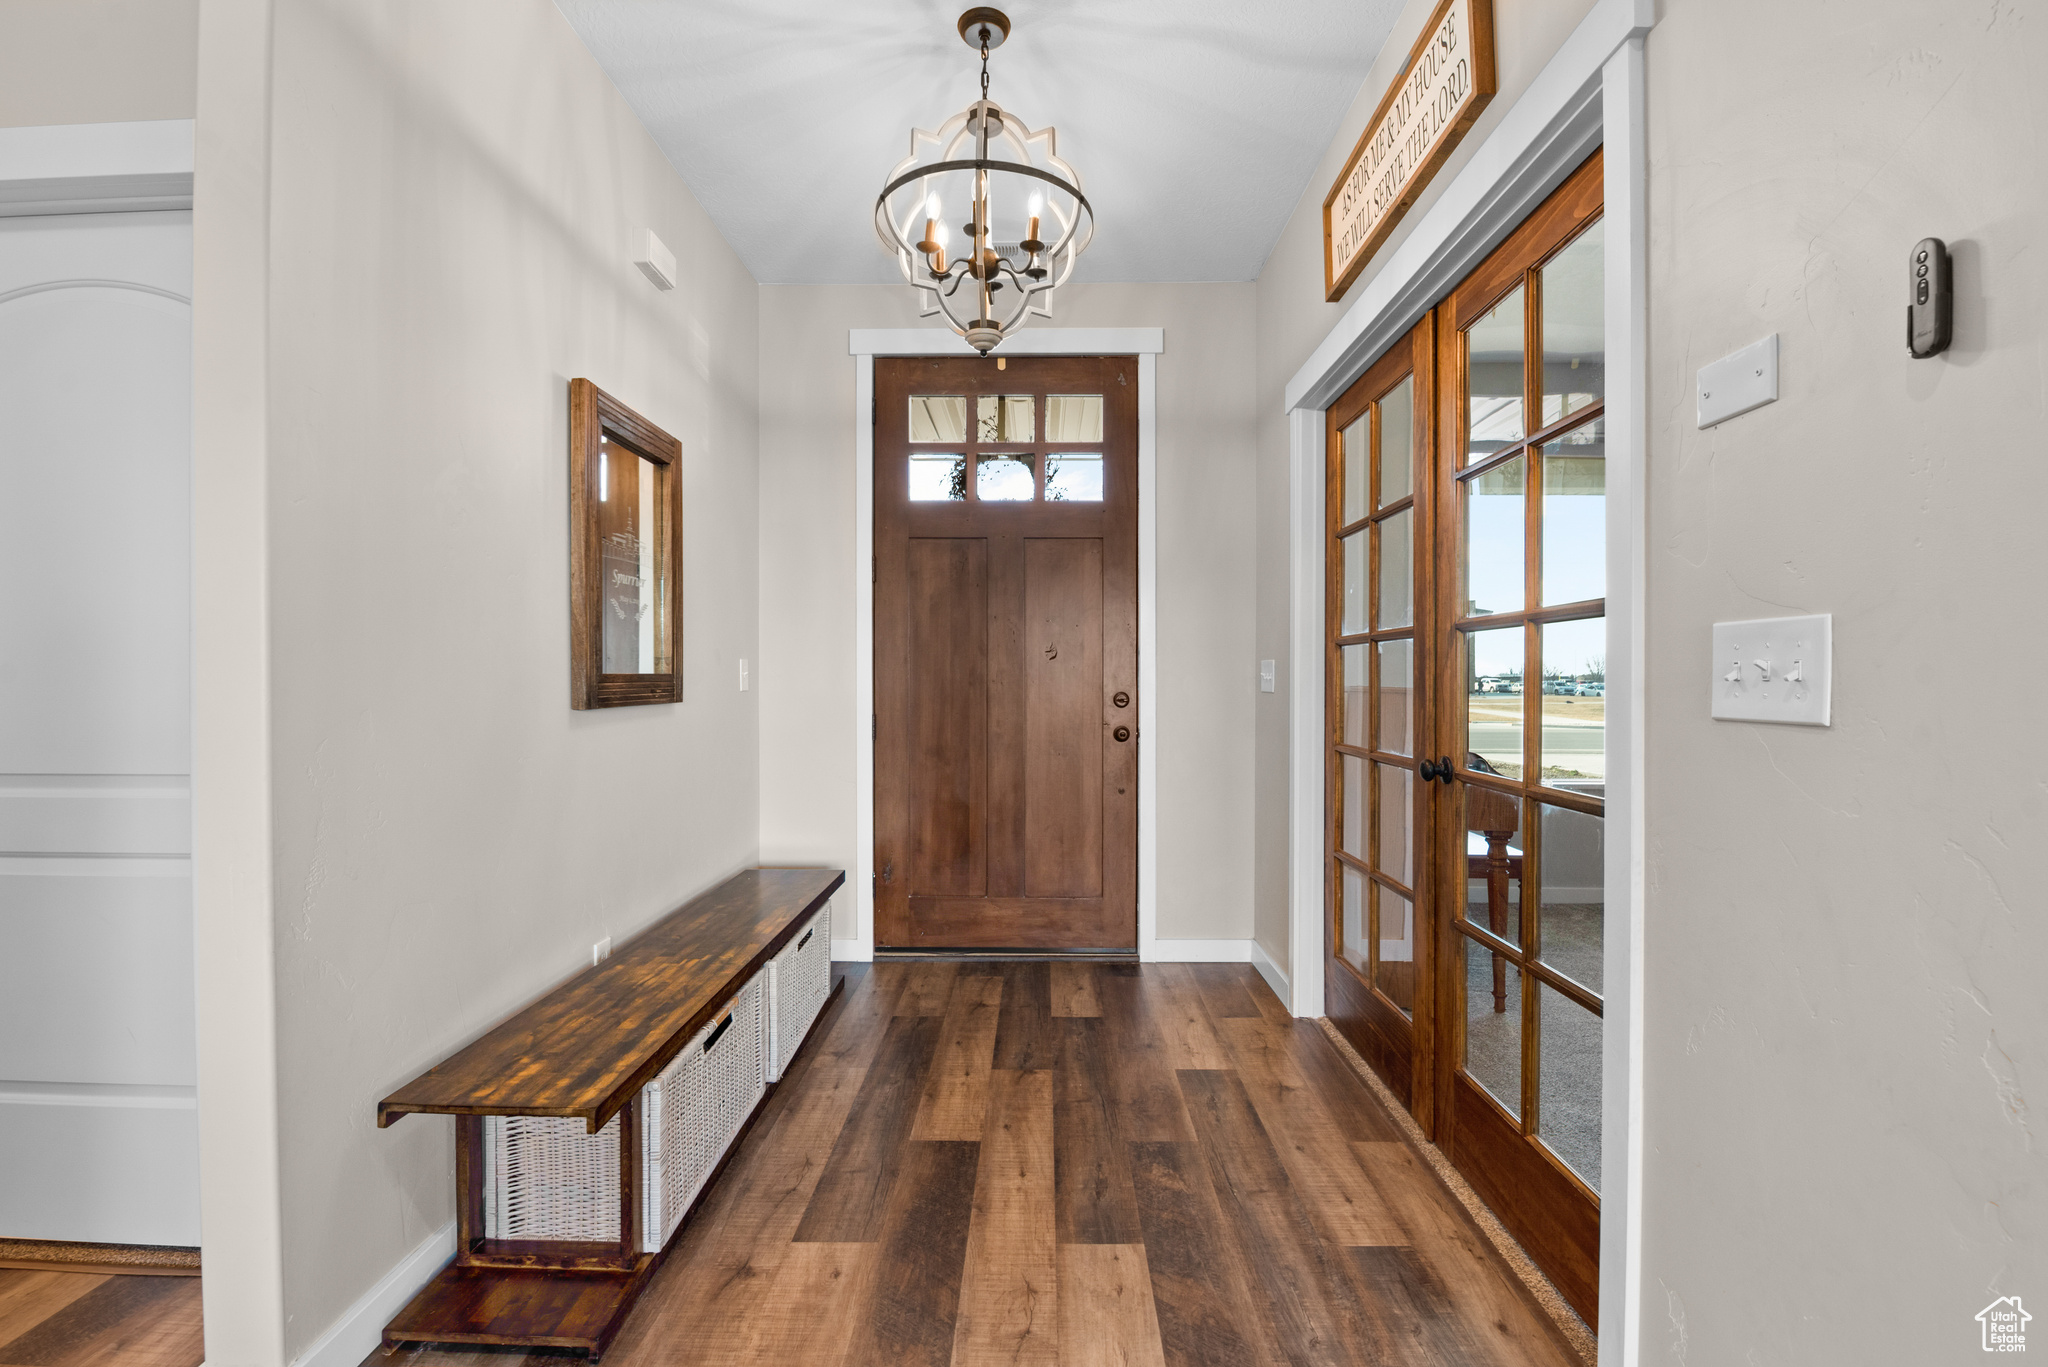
1448 79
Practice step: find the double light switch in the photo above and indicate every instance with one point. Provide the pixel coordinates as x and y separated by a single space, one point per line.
1774 669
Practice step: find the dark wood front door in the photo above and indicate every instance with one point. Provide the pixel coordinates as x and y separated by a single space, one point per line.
1006 661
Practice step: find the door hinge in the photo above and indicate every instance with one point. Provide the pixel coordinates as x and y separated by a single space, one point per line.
874 569
874 726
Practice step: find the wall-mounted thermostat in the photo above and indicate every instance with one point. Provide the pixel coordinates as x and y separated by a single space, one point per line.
655 260
1930 299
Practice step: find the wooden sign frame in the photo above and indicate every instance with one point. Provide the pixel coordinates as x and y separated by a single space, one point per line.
595 420
1484 81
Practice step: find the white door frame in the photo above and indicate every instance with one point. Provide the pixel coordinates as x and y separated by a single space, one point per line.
867 343
1589 95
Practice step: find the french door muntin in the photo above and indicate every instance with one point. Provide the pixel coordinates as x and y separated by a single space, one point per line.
1378 509
1522 682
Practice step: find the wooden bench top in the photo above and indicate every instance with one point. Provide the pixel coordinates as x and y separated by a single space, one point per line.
590 1045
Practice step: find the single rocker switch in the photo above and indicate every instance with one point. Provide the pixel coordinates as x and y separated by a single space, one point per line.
1930 299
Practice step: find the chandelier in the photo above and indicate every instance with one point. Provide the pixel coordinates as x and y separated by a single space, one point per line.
1026 218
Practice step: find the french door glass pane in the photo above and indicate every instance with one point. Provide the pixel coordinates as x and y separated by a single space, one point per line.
1357 440
1494 519
1073 478
1494 862
1004 417
1397 698
1572 916
1351 715
1357 549
1073 417
1494 709
937 479
1575 702
1397 570
1574 327
1397 442
1354 933
1568 1083
1396 828
1004 479
1575 515
1351 806
936 418
1493 1023
1493 354
1395 973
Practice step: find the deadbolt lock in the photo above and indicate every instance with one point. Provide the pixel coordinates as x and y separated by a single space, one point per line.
1122 700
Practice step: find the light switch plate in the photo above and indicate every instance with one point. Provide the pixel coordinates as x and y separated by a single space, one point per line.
1778 669
1736 384
1265 676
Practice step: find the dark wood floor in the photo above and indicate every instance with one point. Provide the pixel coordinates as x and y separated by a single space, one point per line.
1074 1164
85 1319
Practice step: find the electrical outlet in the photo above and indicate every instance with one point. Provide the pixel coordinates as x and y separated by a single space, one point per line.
601 951
1776 669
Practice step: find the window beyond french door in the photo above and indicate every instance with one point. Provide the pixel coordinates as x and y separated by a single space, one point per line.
1466 842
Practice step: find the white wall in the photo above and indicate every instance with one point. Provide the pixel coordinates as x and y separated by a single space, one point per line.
97 61
1208 673
1293 318
431 242
1844 940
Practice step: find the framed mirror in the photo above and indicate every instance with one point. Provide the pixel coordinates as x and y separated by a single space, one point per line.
625 552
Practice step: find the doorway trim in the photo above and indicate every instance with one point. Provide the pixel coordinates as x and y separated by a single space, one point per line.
1589 95
865 344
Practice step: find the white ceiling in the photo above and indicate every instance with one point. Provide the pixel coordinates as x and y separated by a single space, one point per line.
1194 125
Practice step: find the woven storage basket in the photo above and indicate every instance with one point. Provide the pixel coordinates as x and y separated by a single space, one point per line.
545 1177
799 981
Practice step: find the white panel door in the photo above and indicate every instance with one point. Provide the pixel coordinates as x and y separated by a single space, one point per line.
99 1126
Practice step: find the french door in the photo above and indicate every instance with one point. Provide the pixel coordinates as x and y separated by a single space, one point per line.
1006 655
1498 1046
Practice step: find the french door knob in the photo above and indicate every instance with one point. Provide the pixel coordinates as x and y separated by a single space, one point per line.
1436 769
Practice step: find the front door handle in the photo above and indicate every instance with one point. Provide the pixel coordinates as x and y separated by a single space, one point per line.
1122 733
1436 769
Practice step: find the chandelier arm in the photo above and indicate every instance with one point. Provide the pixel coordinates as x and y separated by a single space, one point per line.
986 164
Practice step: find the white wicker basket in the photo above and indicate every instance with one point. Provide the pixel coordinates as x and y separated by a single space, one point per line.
799 981
546 1178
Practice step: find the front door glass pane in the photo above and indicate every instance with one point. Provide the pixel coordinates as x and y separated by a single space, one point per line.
1495 866
1351 715
1002 417
1394 974
1494 705
1568 1074
1396 813
937 479
1397 443
1073 417
1574 327
936 418
1397 570
1354 935
1397 698
1573 910
1575 702
1351 806
1575 515
1357 549
1494 518
1073 478
1004 479
1357 443
1493 356
1493 1023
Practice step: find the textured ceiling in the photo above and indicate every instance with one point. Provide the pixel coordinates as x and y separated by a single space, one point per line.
1194 125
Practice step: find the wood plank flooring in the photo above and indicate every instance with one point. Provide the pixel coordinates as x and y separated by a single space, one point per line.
90 1319
1072 1165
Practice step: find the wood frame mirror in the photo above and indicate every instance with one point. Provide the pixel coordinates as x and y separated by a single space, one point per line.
625 555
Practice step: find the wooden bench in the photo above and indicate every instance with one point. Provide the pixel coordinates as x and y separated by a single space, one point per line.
586 1051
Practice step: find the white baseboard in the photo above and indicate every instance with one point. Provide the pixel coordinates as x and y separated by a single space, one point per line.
852 952
1269 969
1201 952
360 1329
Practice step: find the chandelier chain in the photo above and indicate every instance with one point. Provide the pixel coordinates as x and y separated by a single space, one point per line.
984 61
